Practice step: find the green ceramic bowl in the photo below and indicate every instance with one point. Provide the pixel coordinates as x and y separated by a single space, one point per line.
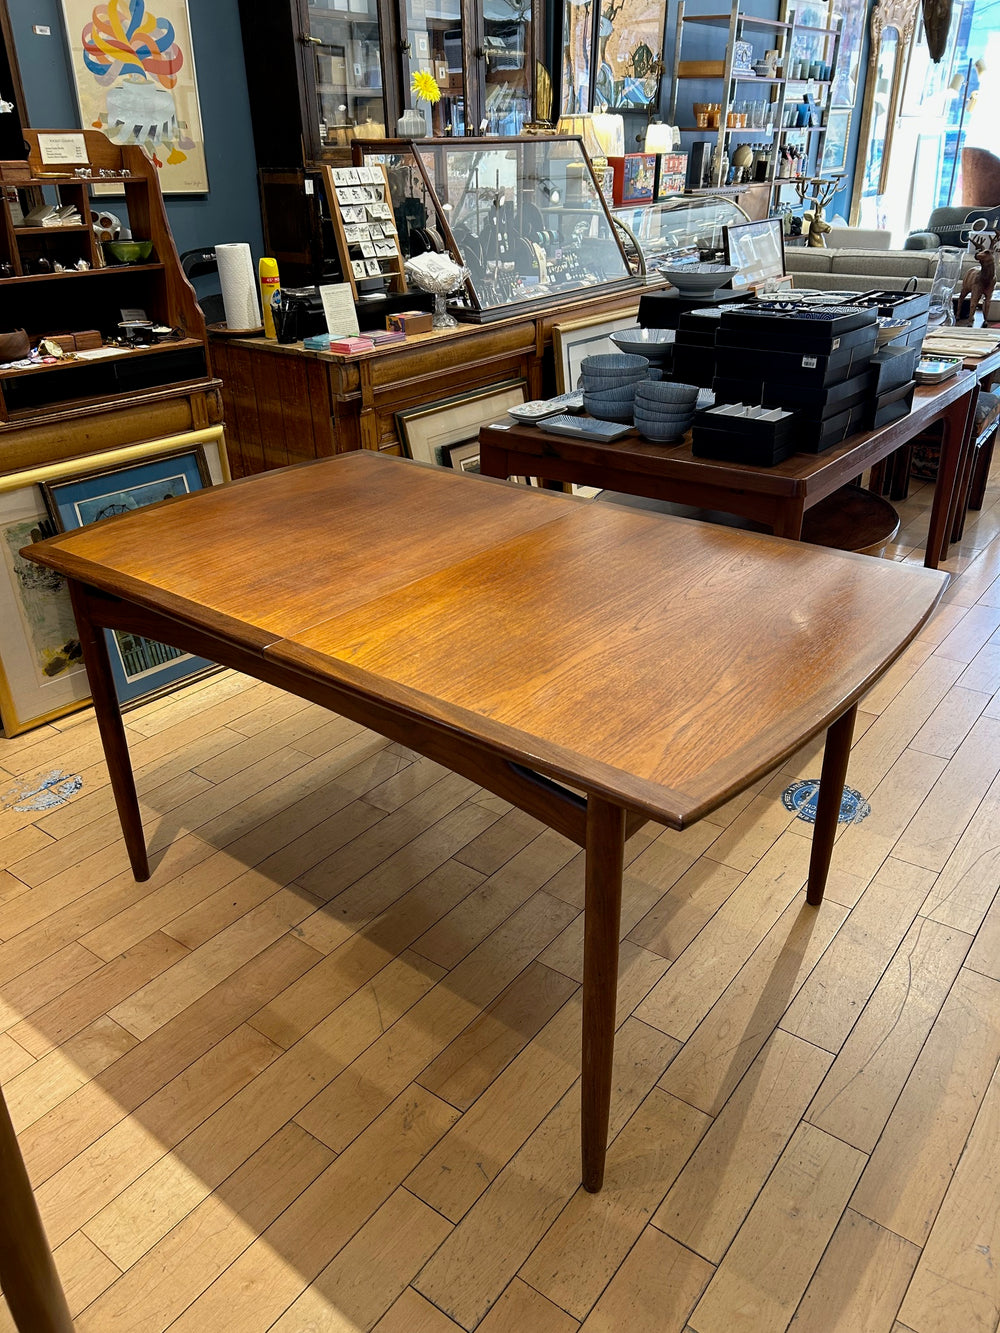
129 252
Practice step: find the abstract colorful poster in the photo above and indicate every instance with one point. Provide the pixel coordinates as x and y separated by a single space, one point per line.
135 78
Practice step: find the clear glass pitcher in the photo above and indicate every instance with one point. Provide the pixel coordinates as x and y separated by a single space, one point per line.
947 277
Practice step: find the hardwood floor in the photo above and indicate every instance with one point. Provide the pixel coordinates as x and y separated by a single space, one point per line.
321 1071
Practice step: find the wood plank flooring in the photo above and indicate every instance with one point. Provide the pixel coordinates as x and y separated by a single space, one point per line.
320 1073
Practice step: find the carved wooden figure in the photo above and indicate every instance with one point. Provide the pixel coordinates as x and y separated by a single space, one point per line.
978 283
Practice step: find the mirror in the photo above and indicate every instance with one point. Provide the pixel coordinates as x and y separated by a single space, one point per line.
891 31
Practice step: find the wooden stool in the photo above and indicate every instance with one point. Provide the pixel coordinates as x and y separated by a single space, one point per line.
852 519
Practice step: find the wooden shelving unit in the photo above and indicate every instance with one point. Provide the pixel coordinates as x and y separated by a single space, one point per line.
44 301
740 26
362 217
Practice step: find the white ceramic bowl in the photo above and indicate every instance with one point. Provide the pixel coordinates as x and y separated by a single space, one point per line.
698 279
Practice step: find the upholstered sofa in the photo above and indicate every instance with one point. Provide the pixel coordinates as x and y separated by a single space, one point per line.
866 270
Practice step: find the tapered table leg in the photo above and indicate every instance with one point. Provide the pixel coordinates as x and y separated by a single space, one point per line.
605 861
27 1273
955 440
831 794
109 722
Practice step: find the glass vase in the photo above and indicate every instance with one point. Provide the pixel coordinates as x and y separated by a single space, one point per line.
442 319
947 276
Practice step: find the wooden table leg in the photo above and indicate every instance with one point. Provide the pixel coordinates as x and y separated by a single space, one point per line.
788 521
109 722
27 1273
602 922
954 441
831 794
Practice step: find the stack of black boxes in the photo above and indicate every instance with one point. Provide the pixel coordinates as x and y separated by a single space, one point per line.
816 364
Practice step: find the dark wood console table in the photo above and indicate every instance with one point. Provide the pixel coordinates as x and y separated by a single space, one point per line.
777 496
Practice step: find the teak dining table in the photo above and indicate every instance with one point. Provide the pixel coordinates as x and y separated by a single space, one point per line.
596 666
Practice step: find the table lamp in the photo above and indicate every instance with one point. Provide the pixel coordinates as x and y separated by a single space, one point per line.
610 131
582 123
660 139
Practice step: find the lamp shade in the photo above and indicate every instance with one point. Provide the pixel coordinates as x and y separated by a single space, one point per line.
659 137
582 123
610 131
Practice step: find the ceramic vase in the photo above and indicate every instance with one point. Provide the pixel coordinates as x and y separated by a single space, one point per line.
411 125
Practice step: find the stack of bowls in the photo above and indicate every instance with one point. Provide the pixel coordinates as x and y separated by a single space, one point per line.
656 345
609 385
664 410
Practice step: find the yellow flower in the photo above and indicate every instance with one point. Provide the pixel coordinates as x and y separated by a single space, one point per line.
424 86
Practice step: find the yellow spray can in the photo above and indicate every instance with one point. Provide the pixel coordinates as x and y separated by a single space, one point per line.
270 286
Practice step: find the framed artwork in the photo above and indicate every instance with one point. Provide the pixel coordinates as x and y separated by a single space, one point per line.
847 71
629 46
574 339
41 665
41 671
428 433
757 249
464 457
133 65
140 666
835 141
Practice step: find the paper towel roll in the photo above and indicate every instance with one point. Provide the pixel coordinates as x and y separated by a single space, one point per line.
239 286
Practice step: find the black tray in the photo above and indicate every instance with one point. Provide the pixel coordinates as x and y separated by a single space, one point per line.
808 370
898 305
778 339
815 323
815 436
732 448
893 405
894 365
694 365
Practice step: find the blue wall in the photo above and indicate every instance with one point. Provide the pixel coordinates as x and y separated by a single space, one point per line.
231 210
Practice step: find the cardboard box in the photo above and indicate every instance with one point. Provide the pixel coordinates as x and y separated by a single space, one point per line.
633 178
410 321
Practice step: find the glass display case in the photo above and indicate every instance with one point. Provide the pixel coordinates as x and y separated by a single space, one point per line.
346 48
524 215
679 225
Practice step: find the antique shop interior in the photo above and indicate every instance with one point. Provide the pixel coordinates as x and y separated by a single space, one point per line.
549 437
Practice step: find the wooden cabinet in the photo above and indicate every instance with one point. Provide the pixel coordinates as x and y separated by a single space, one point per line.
321 74
76 407
286 405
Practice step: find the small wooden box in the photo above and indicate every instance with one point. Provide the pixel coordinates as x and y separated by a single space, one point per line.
410 321
634 177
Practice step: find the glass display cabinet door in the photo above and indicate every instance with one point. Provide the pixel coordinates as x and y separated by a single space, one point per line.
435 38
507 65
346 47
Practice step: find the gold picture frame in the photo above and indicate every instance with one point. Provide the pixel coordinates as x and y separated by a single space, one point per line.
36 685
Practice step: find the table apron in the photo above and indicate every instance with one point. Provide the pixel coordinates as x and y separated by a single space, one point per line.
538 795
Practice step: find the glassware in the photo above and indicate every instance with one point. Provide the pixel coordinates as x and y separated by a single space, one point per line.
947 275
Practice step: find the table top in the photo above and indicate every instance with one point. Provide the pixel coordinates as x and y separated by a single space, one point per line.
799 475
659 662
